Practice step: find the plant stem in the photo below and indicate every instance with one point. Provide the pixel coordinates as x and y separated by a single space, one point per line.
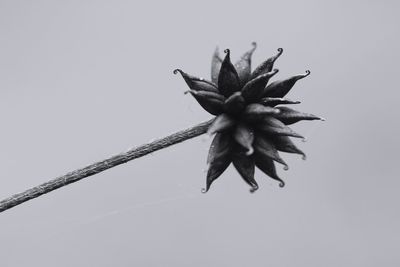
103 165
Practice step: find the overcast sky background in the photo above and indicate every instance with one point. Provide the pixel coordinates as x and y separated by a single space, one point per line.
82 80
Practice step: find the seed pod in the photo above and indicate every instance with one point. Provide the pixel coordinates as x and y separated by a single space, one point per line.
221 123
228 79
211 102
215 66
244 136
266 165
219 158
289 116
283 143
274 126
197 84
234 104
255 112
243 66
246 167
281 88
221 144
253 89
273 101
266 147
267 65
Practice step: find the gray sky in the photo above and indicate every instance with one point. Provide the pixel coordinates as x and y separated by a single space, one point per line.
81 80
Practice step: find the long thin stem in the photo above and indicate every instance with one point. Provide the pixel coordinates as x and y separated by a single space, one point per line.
103 165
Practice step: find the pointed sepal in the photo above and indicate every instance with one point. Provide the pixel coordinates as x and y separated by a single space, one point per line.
264 146
289 116
281 88
197 84
253 90
267 65
215 66
212 102
255 112
273 126
267 166
283 143
243 66
219 158
228 79
245 166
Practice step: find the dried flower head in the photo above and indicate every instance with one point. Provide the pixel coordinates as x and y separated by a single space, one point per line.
251 123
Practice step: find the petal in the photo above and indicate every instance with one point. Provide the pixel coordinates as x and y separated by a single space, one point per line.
274 126
244 136
221 144
219 158
290 116
197 84
243 66
273 101
267 65
235 103
221 123
281 88
246 167
266 165
264 146
215 66
253 90
211 102
228 79
283 143
254 112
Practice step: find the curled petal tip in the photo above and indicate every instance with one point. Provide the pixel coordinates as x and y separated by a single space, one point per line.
281 184
275 71
286 167
227 51
250 151
253 189
304 157
193 92
176 71
308 72
203 190
254 44
280 50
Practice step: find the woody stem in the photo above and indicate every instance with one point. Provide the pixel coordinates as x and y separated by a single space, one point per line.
103 165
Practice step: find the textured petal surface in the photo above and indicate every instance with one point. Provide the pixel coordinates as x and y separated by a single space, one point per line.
267 65
235 104
281 88
290 116
228 79
211 102
283 143
197 84
273 101
246 167
267 166
254 89
263 146
243 66
274 126
215 66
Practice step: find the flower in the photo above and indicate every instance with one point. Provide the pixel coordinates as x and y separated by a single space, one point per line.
251 123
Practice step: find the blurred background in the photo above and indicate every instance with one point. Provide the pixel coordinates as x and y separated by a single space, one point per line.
82 80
